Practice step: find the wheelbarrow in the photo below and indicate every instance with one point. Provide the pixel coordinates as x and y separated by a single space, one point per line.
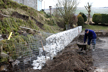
82 46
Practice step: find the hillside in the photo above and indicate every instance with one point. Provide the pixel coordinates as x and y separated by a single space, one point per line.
24 22
14 15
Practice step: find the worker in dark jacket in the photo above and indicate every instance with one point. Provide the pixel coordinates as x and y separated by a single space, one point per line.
91 36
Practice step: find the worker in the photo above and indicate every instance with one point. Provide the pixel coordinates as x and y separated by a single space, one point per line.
91 36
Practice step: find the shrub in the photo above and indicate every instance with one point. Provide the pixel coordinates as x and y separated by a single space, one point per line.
8 4
24 7
104 18
2 5
97 18
80 20
100 18
1 2
48 15
42 11
50 22
84 16
74 21
60 23
12 4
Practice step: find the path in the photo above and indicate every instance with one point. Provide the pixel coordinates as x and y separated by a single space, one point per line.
100 56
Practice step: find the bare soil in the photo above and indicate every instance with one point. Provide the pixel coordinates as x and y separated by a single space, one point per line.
69 60
18 15
25 17
37 22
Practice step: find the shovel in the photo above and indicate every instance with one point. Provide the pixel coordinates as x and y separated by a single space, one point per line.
44 52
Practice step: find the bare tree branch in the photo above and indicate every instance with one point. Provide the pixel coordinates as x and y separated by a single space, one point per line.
66 9
88 8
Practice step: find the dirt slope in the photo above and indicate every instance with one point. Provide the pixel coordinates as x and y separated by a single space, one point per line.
68 60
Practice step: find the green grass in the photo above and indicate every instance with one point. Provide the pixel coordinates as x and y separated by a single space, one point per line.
51 29
12 6
14 46
12 24
96 27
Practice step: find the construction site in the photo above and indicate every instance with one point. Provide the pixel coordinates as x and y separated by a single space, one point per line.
69 59
34 41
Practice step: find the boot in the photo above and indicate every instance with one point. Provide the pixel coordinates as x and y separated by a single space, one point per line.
88 47
93 48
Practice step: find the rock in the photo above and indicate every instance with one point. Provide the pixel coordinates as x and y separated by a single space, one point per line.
20 32
4 55
1 37
16 62
24 33
28 30
2 16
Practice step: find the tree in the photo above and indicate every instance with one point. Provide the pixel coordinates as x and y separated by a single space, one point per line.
80 20
88 8
67 8
84 16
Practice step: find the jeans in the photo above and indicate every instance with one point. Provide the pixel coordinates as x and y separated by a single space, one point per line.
93 42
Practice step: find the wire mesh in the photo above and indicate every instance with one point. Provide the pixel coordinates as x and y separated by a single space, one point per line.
23 52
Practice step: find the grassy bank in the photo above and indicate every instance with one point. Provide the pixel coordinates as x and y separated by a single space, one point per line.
96 27
16 15
21 15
